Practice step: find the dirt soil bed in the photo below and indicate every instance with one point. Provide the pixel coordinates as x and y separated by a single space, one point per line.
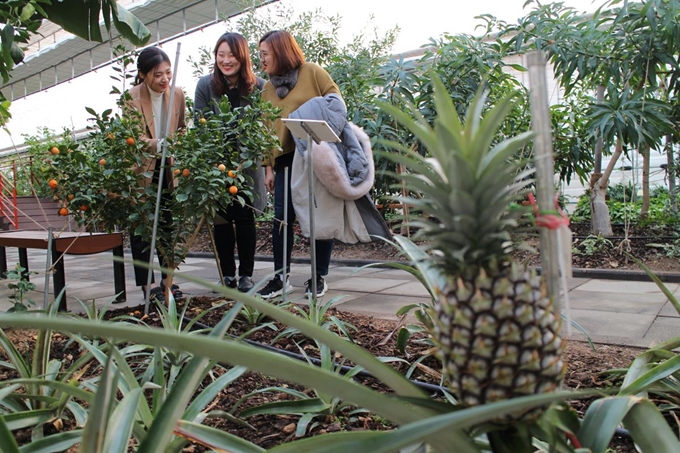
643 243
585 368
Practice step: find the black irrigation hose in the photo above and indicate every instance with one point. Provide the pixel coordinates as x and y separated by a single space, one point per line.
344 369
631 237
621 432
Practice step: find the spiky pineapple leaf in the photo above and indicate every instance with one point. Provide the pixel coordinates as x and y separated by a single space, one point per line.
489 125
466 188
502 152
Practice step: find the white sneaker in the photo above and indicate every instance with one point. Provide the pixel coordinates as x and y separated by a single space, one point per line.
321 286
275 287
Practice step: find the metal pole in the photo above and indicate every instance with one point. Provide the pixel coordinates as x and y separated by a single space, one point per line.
286 194
217 255
160 184
312 242
543 158
48 259
670 172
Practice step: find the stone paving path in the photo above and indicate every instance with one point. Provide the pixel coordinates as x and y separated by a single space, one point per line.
633 313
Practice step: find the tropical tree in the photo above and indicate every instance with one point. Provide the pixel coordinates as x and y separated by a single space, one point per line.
627 55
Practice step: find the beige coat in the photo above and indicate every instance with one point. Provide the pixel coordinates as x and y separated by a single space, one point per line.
141 101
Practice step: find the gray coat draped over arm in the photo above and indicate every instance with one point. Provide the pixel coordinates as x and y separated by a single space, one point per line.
344 173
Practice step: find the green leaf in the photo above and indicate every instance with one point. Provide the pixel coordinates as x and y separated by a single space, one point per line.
601 420
55 443
7 442
201 401
80 17
183 390
28 418
303 423
130 26
95 428
214 438
57 385
669 295
649 430
15 357
518 67
106 12
17 53
27 12
402 339
79 412
652 376
7 37
119 426
411 433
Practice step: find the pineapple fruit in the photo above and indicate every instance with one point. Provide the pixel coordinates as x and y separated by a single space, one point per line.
492 321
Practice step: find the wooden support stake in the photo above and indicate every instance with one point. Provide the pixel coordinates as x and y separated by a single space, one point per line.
545 169
217 256
192 238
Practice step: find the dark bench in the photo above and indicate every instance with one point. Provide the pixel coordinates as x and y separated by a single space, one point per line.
68 243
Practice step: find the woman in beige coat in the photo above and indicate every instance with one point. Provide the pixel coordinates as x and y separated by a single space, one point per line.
151 96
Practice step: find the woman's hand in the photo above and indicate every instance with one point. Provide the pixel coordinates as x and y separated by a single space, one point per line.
269 178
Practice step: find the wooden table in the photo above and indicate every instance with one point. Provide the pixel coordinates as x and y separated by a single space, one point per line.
66 243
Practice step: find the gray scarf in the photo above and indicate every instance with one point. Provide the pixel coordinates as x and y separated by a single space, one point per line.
284 83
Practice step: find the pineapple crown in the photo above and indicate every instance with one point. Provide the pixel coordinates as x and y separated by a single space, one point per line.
469 183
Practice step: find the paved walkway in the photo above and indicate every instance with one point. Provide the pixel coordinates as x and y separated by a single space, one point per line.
634 313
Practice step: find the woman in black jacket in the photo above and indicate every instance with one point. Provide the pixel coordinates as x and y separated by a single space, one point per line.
232 76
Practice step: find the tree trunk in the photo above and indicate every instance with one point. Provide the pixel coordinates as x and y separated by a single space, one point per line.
597 158
404 229
670 171
599 211
644 210
600 221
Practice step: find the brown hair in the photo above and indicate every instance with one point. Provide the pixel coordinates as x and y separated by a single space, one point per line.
239 47
147 60
286 51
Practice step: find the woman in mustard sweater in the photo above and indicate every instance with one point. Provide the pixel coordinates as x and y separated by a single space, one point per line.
292 82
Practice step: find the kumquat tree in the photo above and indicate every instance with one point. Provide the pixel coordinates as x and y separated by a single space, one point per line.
95 182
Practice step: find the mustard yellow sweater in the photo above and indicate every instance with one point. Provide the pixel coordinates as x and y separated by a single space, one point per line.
312 81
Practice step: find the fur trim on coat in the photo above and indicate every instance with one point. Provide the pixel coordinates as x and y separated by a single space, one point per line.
333 174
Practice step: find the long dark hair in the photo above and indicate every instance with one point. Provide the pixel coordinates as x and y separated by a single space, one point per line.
287 52
148 59
239 47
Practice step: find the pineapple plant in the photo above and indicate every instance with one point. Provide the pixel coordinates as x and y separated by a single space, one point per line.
492 321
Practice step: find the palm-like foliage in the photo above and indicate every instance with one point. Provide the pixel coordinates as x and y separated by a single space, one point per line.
468 191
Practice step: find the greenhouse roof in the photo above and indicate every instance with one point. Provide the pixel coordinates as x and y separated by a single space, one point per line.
55 56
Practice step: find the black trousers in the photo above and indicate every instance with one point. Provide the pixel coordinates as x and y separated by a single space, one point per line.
141 248
141 251
324 248
238 231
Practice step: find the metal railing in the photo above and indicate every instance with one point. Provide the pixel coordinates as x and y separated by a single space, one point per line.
8 195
